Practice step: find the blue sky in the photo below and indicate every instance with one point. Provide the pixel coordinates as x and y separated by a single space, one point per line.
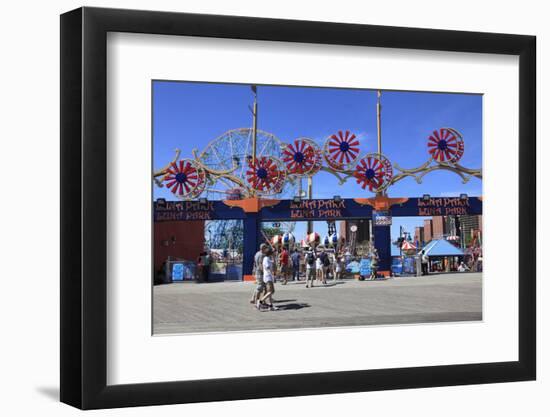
189 115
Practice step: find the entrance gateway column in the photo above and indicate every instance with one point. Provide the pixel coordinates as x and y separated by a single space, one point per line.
382 243
252 241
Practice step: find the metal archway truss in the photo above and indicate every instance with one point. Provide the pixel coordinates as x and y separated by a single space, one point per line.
444 164
228 167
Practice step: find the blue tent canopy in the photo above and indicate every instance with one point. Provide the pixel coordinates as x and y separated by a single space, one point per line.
441 247
436 247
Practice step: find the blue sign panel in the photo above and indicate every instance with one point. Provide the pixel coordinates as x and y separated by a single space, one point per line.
364 267
409 265
177 272
316 209
166 211
183 271
353 267
397 266
438 206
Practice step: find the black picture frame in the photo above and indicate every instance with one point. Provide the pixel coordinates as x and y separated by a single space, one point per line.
84 206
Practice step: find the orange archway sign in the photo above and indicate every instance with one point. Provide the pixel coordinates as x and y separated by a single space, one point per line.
380 202
252 204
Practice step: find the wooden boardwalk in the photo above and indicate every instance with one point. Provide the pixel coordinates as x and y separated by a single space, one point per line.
221 307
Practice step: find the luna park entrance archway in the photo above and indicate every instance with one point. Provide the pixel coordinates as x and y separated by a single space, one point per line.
253 211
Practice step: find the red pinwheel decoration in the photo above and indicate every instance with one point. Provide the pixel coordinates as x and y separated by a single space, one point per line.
374 171
446 145
303 157
185 178
341 149
265 175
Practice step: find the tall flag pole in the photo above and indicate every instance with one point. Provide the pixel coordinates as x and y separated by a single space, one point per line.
379 134
309 197
378 121
379 125
254 123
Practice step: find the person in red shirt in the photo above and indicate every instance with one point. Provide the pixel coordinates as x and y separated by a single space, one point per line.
284 266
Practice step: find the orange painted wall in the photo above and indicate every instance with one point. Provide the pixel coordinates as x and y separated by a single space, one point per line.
181 239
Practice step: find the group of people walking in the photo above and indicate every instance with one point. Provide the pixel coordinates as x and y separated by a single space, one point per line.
320 266
286 266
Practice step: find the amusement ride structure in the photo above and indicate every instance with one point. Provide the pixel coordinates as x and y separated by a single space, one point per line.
249 162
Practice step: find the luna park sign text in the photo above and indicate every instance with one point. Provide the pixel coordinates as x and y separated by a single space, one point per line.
443 206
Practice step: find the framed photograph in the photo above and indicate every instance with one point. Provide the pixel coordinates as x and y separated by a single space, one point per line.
259 208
